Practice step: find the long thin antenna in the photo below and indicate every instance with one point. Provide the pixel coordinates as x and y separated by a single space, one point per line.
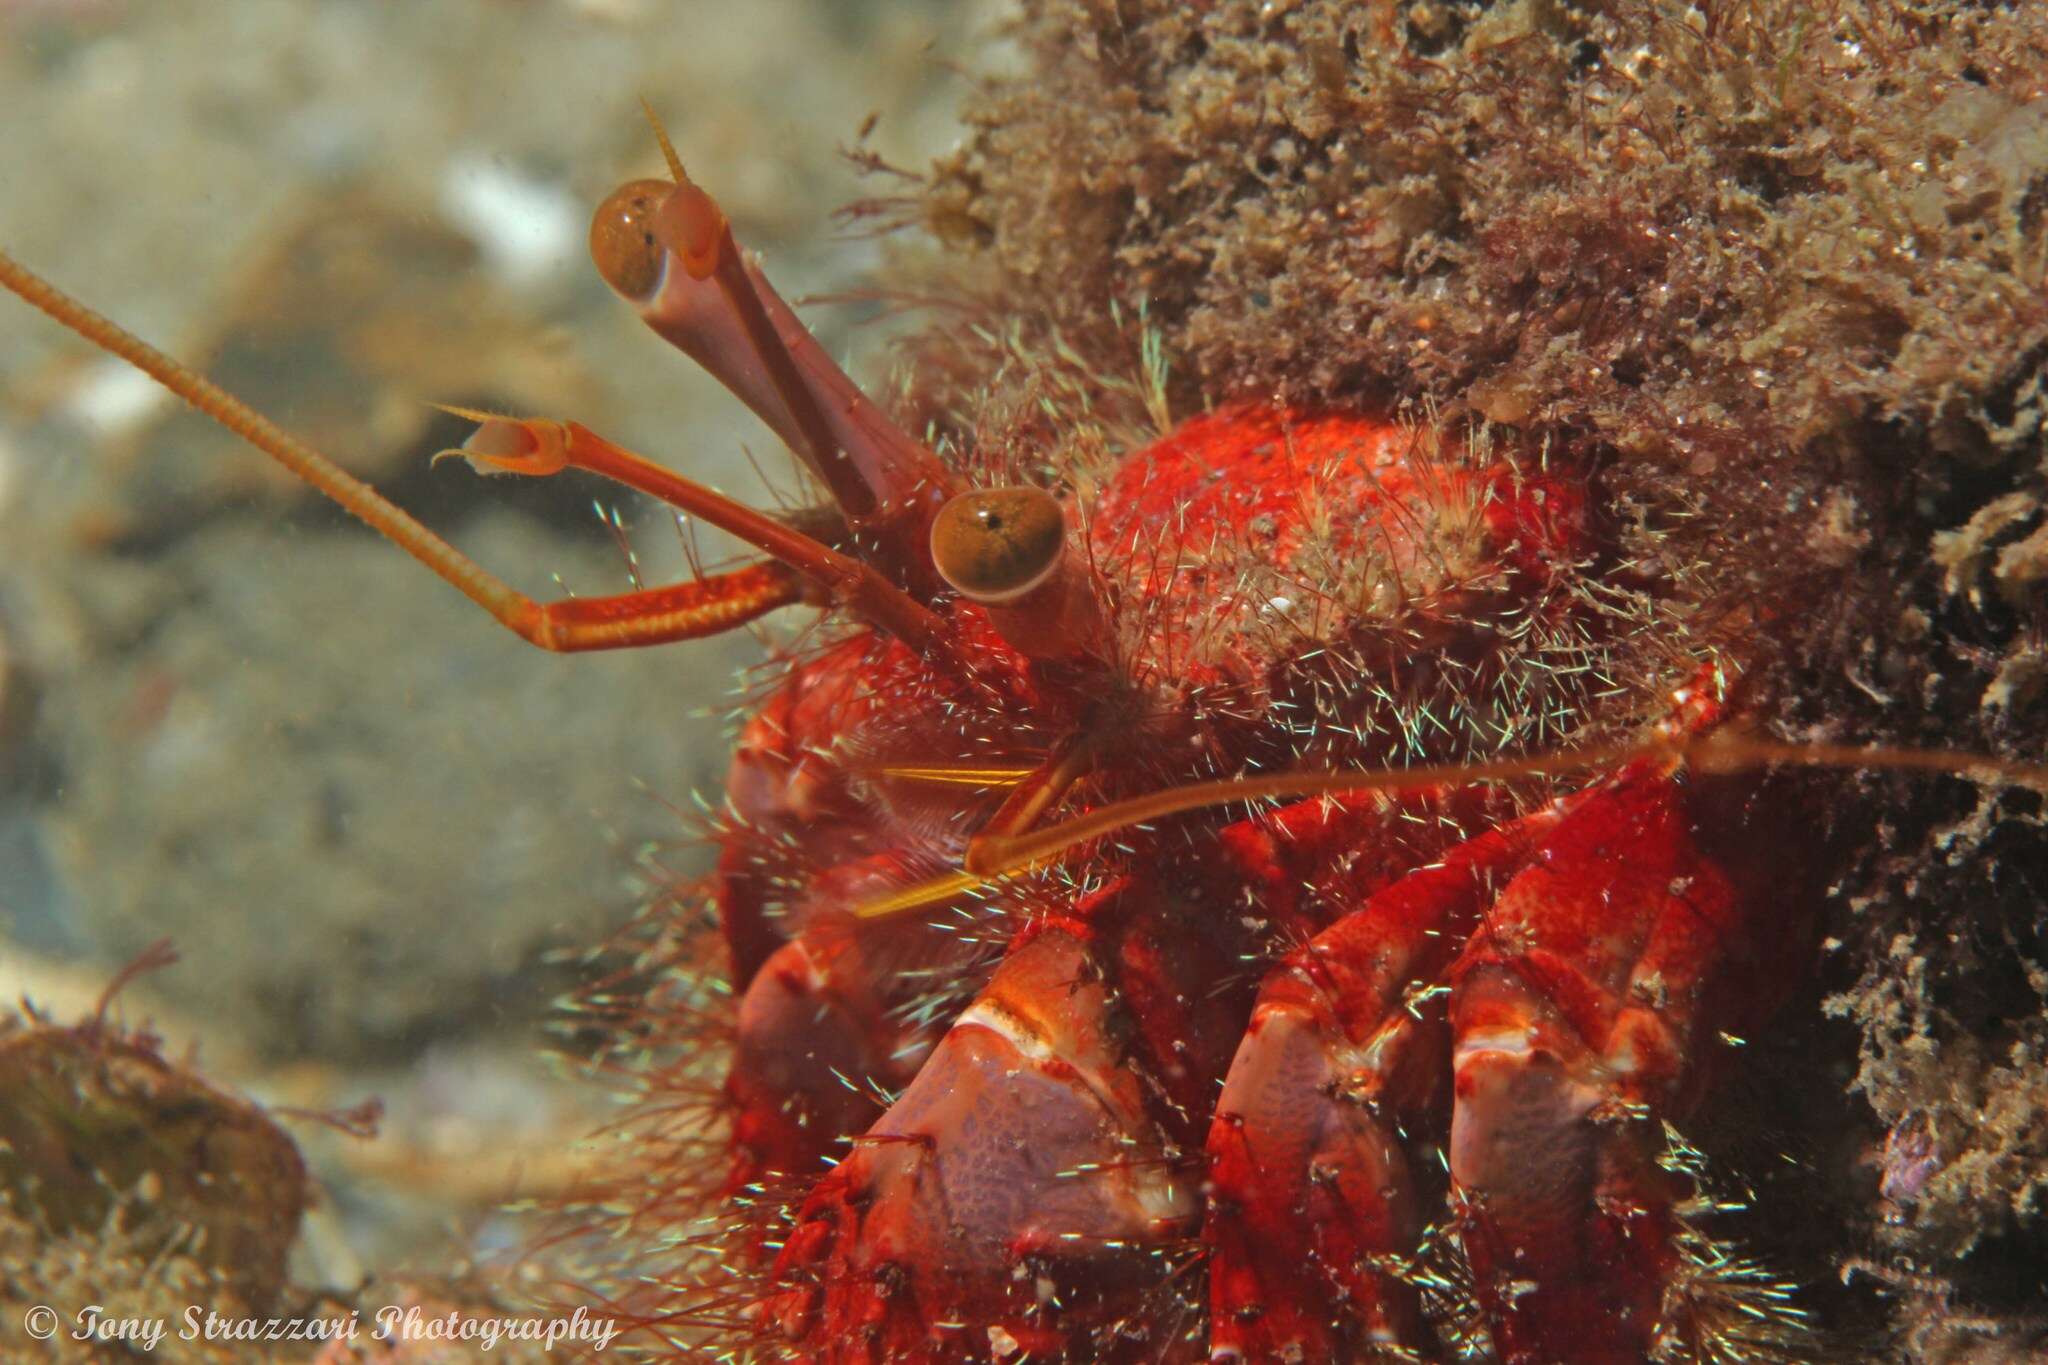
485 589
993 856
684 611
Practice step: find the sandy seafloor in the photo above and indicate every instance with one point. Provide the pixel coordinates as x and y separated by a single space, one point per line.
366 815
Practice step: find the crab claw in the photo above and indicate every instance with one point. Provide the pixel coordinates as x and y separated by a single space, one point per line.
1018 1184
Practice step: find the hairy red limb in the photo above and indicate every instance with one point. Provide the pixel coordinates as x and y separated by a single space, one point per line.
1315 1199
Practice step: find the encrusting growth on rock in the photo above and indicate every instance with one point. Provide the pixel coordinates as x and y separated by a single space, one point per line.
1777 270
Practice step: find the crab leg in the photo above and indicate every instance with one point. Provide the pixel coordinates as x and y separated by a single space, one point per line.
1606 944
1313 1198
817 1043
821 1036
943 1201
1577 1013
814 1044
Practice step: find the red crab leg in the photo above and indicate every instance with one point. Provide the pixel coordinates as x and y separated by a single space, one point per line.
1312 1200
1584 1013
817 1045
822 1035
1570 1017
927 1221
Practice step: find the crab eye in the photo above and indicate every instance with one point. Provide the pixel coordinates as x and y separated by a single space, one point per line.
622 239
996 544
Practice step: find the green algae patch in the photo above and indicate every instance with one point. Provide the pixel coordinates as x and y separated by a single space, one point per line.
100 1131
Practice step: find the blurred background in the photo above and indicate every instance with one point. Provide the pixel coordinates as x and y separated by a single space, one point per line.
371 821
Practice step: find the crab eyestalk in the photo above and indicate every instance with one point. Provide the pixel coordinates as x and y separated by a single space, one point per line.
1006 548
667 249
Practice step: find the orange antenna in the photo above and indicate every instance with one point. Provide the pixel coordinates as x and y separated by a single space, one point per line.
366 503
668 149
803 569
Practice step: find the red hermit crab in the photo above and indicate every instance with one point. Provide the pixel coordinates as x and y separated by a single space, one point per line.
1142 948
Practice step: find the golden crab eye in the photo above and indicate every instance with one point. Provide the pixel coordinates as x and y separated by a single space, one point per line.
622 240
996 544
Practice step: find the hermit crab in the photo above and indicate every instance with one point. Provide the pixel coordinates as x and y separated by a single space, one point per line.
1176 912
